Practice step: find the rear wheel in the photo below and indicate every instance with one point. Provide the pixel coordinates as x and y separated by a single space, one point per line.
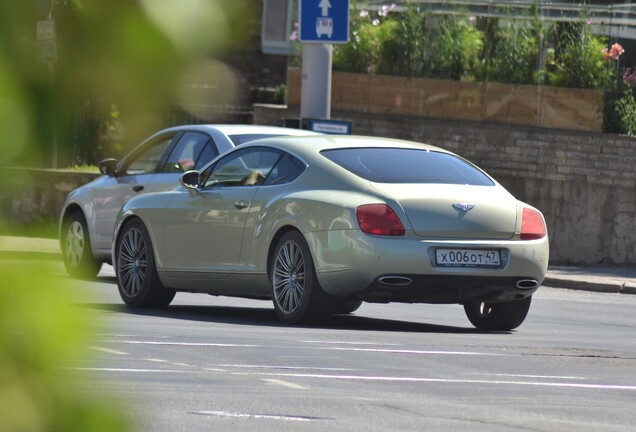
297 296
347 306
498 316
76 248
137 278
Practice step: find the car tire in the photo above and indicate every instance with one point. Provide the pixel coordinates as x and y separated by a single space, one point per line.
76 248
296 293
135 269
498 316
347 306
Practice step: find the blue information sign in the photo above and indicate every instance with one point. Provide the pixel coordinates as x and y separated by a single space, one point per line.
324 21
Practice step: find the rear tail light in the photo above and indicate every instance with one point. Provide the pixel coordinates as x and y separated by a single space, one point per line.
379 219
532 225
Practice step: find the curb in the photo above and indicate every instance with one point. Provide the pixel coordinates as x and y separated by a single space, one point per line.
613 287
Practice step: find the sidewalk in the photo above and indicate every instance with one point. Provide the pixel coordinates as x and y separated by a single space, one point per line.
597 279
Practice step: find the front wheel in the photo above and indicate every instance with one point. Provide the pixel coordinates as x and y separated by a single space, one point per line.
296 293
498 316
76 248
137 278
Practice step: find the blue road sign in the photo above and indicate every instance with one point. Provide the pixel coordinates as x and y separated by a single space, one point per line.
324 21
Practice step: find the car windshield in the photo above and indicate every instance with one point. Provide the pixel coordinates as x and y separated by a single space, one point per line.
400 165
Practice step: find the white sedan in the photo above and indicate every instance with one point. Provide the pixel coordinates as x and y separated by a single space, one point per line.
88 215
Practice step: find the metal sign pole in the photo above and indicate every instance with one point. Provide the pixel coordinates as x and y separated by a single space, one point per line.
316 81
322 23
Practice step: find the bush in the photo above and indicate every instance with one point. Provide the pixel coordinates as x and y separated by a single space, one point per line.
517 55
456 50
579 61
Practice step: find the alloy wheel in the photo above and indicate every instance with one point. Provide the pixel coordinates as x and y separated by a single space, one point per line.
132 262
75 243
289 277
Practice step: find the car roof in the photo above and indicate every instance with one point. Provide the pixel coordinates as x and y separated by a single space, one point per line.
315 144
237 129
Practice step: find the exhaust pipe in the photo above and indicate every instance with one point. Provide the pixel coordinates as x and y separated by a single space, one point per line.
396 281
527 284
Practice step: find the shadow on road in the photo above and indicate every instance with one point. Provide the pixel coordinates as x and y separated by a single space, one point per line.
251 316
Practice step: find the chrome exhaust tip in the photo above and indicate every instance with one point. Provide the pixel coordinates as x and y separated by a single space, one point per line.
396 281
527 284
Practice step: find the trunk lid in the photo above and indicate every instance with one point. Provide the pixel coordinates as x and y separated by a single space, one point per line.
456 211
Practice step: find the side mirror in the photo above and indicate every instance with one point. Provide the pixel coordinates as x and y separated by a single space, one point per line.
190 179
108 166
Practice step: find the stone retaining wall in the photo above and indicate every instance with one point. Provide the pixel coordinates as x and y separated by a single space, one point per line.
31 199
583 182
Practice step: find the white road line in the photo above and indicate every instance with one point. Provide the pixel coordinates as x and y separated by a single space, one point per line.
258 416
192 344
460 381
168 362
420 352
107 350
130 370
348 343
289 368
285 384
530 376
619 387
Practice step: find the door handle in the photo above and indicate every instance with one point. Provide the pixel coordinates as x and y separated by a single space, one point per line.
240 205
138 188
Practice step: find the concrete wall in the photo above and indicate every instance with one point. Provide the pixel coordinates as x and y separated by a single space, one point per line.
583 182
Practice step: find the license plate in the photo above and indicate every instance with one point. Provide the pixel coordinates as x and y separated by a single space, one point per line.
467 258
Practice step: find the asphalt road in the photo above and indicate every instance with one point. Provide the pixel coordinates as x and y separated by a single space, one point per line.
219 364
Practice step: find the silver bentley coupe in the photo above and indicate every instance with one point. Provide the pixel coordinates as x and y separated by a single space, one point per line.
320 224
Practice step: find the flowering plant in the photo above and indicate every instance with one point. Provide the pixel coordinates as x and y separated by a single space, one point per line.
613 53
629 77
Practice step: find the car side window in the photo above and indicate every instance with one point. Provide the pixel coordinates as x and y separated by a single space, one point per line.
148 158
188 152
287 169
246 167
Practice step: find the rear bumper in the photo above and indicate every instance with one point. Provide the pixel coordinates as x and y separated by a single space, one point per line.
353 265
445 289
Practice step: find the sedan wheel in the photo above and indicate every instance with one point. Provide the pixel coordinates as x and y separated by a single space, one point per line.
78 256
498 316
297 296
137 278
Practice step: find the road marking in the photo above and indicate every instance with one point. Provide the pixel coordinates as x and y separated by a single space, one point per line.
259 416
349 343
420 352
458 381
168 362
288 368
129 370
107 350
530 376
285 384
189 344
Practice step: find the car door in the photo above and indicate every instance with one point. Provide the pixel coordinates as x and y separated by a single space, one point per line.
134 177
203 229
155 167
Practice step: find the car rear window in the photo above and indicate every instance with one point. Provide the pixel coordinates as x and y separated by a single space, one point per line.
399 165
245 138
